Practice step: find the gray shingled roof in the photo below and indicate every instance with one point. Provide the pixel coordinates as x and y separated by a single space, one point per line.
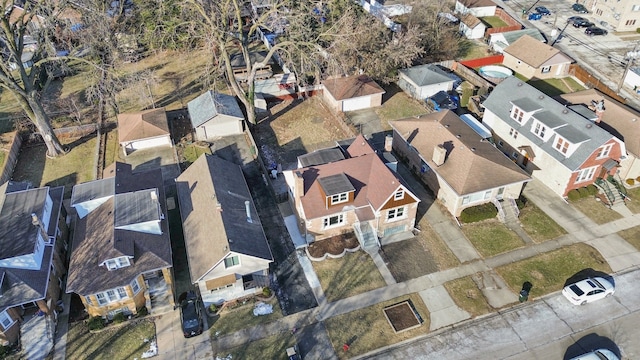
92 190
212 193
319 157
20 286
576 129
17 233
511 36
136 207
209 104
426 75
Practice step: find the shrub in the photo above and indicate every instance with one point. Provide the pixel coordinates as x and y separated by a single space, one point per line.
521 202
583 192
478 213
573 195
266 292
143 311
118 318
638 30
592 189
95 323
630 182
213 308
638 179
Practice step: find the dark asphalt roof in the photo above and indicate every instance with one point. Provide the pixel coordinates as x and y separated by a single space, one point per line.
210 104
319 157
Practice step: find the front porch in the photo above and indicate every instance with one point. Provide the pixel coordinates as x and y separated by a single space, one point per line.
158 294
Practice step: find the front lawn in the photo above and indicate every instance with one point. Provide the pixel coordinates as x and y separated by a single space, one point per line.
273 347
368 329
467 296
241 316
119 342
491 237
399 105
632 236
595 210
538 224
549 271
352 274
634 203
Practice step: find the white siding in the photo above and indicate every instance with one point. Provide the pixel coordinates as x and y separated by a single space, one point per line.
358 103
148 143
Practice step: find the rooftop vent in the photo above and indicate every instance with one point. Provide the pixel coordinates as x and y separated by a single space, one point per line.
589 126
565 111
519 84
541 97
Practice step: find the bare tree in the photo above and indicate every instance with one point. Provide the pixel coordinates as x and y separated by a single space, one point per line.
27 55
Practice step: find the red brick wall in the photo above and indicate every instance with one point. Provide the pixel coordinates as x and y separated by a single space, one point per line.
615 153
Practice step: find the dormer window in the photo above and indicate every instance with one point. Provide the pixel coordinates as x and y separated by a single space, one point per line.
117 263
337 189
517 114
339 198
604 151
399 195
540 130
562 145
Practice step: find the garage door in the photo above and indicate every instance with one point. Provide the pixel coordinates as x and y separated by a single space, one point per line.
394 230
356 103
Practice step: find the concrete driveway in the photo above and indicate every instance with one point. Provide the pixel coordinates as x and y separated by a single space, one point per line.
173 345
366 121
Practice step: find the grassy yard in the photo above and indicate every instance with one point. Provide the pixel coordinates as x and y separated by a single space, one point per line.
632 236
493 21
352 274
548 272
240 317
273 347
554 87
370 328
125 342
467 296
191 152
538 224
473 50
491 237
634 204
75 167
398 106
595 210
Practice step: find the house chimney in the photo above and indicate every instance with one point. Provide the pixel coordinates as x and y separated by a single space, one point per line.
388 143
598 109
299 185
34 219
246 206
439 154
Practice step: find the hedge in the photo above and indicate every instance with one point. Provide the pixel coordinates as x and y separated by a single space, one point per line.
478 213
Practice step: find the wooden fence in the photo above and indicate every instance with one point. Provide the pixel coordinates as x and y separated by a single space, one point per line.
591 81
11 158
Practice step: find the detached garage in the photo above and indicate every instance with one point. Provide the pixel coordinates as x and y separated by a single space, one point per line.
215 115
143 130
352 93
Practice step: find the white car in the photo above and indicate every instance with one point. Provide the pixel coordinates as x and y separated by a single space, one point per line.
588 290
600 354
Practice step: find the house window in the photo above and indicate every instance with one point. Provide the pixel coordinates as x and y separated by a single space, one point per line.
399 195
514 133
395 213
102 299
562 145
540 130
515 154
135 286
6 320
113 264
604 151
339 198
332 221
635 8
630 22
586 174
546 69
87 299
517 114
122 293
476 197
231 261
500 143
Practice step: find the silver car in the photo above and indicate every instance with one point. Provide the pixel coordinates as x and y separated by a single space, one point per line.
588 290
600 354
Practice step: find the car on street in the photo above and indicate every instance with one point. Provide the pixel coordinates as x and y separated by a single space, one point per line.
543 10
588 290
595 31
579 8
600 354
575 19
292 353
190 314
583 23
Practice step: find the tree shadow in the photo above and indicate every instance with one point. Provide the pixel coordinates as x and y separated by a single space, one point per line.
589 273
589 343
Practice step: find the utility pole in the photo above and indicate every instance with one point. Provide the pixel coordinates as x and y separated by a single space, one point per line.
631 57
559 34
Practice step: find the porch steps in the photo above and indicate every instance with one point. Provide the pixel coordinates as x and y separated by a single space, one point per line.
159 295
366 236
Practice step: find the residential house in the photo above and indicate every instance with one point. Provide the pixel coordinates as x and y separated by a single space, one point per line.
621 15
33 240
461 167
359 194
561 147
352 93
423 81
534 59
618 119
121 256
499 41
241 72
226 246
143 130
472 27
215 115
477 8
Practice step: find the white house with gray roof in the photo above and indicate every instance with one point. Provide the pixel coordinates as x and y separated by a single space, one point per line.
561 146
226 246
215 115
423 81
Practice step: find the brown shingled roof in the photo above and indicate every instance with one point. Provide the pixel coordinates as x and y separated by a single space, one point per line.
532 51
142 125
472 163
359 146
477 3
352 87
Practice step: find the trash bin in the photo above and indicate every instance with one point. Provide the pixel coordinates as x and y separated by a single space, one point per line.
524 295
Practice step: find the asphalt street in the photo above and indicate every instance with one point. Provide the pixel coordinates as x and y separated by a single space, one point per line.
548 328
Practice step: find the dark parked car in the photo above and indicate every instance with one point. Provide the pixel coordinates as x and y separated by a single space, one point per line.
575 19
543 10
595 31
583 23
190 315
579 8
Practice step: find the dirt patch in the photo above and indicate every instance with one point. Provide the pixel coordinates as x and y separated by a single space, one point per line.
402 316
334 245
